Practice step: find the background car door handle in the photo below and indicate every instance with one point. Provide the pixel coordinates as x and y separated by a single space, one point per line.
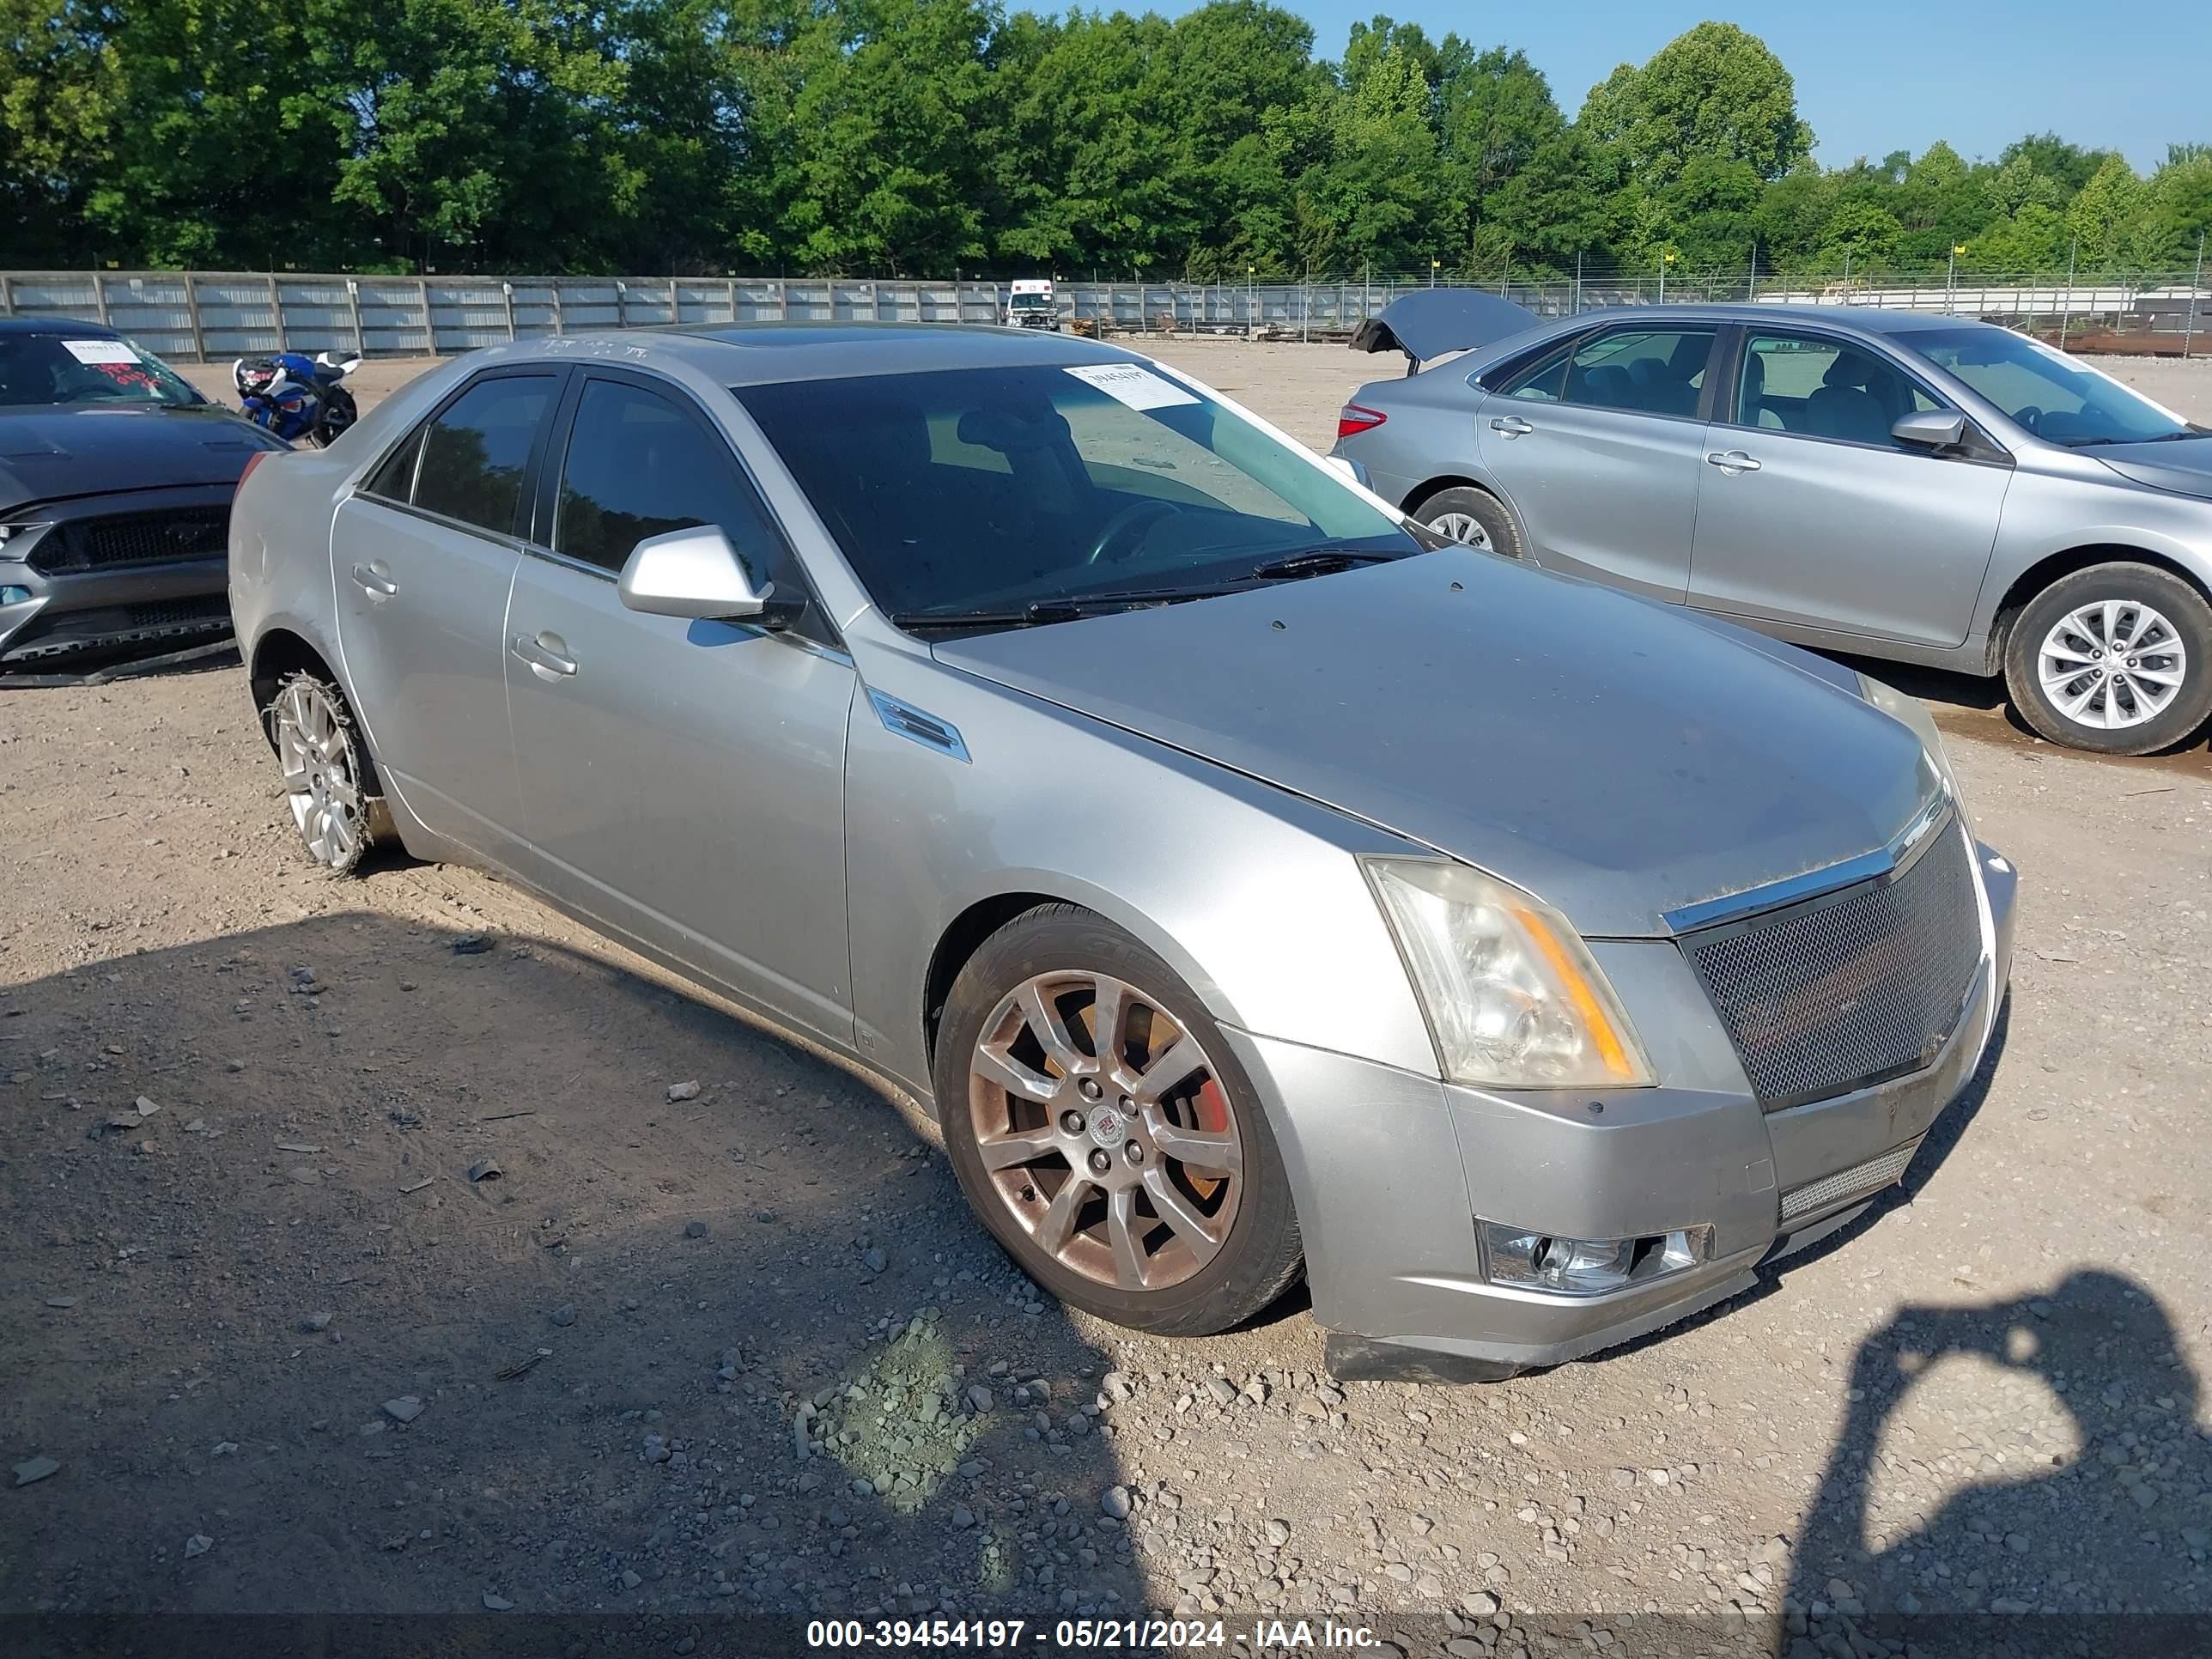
373 582
1734 460
545 662
1512 425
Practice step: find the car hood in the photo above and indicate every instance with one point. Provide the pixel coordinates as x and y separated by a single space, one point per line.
49 454
2182 464
1617 761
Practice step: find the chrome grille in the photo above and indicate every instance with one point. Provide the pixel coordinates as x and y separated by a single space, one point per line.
1870 1176
1845 990
134 538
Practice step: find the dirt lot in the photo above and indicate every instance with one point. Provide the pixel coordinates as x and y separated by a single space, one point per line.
742 1352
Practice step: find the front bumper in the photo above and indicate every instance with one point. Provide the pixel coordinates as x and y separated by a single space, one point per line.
1390 1170
65 618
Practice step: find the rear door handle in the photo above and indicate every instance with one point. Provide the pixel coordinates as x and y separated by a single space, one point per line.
545 660
1512 426
373 582
1732 460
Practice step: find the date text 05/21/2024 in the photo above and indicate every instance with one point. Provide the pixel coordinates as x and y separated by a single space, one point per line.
1082 1635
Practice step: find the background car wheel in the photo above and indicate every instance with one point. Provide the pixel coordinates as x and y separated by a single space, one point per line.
329 782
1105 1134
1473 516
2116 659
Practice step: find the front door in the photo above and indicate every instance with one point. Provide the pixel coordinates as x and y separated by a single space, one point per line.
1813 516
683 782
1598 448
424 554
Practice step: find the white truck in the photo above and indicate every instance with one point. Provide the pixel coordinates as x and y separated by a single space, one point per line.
1029 304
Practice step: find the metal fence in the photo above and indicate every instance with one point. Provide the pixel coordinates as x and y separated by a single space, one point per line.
213 316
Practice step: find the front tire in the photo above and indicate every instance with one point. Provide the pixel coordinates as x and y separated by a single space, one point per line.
1105 1134
1475 517
2116 659
330 783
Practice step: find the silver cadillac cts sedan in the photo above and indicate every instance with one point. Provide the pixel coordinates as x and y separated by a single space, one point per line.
1253 884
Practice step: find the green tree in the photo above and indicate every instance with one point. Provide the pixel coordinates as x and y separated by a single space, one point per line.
2105 216
1715 93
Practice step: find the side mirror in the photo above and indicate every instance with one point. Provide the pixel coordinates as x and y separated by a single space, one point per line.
1348 468
697 575
1930 429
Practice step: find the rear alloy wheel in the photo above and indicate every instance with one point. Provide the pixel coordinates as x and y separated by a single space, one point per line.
1475 517
1101 1129
2117 658
326 775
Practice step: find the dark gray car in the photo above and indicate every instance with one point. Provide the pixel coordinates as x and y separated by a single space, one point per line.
1892 483
115 485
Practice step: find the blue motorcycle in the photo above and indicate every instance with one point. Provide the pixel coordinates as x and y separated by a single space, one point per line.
297 397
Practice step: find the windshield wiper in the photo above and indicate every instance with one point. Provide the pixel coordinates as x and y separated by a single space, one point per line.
2161 438
1040 612
1318 562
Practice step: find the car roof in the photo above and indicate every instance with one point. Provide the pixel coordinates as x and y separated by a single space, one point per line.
760 354
1868 320
57 325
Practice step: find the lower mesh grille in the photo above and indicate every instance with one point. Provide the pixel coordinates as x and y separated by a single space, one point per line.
1868 1177
1861 985
134 538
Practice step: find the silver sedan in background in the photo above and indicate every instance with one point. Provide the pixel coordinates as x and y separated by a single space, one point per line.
1896 485
1253 885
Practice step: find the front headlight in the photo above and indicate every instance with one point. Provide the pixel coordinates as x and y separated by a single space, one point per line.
1512 996
1913 714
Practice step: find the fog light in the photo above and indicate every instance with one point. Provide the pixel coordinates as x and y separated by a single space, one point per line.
1534 1260
11 594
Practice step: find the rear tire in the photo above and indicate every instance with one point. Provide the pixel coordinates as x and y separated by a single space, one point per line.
1094 1176
2116 659
1475 517
330 782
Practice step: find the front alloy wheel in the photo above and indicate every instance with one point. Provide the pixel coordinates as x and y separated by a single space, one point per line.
1106 1134
1105 1131
2117 658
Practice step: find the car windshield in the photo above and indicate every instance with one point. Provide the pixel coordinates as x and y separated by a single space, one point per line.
61 367
2045 390
991 490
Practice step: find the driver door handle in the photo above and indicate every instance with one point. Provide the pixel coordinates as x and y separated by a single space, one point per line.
1732 460
373 582
1512 426
545 661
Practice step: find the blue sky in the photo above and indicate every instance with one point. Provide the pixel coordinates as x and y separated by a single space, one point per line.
1875 75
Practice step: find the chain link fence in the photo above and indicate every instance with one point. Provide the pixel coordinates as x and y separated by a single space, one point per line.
213 316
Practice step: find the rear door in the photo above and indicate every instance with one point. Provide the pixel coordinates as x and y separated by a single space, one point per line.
683 782
1813 516
423 554
1599 446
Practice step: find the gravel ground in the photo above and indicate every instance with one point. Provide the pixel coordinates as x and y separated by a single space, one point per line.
369 1248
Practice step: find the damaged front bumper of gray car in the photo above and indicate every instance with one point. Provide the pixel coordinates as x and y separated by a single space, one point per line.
1805 1038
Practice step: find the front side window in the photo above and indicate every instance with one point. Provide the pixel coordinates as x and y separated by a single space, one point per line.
639 466
1822 388
474 453
992 489
76 367
2045 390
1643 371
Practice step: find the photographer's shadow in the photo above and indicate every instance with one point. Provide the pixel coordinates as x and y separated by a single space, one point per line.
2058 1502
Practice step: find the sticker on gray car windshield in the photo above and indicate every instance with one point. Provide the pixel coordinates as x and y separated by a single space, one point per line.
1138 387
100 351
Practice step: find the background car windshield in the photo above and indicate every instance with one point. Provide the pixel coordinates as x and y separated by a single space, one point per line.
66 369
2050 395
985 490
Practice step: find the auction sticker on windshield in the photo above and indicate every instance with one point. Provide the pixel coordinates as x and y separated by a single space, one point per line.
100 351
1126 383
